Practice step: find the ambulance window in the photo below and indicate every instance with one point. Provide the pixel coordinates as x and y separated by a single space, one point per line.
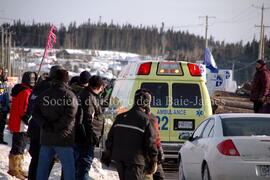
160 93
124 93
186 95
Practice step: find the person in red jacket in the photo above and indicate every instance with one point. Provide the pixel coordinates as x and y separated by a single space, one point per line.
18 124
260 85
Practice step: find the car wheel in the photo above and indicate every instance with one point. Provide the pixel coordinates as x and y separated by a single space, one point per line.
181 175
206 173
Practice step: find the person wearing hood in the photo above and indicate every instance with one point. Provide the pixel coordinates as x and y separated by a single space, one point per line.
83 82
54 111
132 140
260 85
18 126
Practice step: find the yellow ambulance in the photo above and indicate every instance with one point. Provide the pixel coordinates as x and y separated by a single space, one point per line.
180 97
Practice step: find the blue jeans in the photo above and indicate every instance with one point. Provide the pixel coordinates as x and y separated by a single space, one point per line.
84 156
66 156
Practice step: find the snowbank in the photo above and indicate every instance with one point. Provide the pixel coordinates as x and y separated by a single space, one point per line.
97 172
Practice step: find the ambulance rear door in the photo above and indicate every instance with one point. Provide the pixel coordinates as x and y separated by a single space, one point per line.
159 105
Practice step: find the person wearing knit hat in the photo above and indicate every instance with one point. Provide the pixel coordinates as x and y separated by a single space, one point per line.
54 69
260 85
83 82
261 62
84 78
33 131
54 111
91 119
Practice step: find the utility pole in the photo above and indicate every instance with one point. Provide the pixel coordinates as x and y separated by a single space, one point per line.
233 68
260 56
6 49
99 21
262 41
206 28
9 55
2 45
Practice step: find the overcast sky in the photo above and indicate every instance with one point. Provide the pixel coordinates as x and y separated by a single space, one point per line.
234 20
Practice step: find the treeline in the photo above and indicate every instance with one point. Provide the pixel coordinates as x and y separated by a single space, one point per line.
144 40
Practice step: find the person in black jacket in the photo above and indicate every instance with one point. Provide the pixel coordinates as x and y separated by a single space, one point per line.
55 111
33 128
132 139
82 82
90 118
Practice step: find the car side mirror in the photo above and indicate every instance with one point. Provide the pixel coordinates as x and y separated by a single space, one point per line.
191 138
185 136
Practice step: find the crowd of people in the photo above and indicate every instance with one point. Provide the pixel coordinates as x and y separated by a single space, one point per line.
63 120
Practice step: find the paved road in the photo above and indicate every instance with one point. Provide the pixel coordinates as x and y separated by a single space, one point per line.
171 170
170 167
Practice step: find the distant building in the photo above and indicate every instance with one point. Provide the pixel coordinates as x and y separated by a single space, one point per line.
74 54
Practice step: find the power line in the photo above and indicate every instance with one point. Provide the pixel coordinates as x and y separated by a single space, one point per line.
261 47
245 19
248 65
239 14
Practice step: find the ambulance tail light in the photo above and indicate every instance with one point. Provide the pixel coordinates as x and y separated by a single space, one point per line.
194 69
144 68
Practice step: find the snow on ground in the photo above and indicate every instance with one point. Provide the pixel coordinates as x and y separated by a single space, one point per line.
97 172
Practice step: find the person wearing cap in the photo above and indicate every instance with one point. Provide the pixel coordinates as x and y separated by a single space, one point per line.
54 111
83 82
260 85
266 107
18 126
132 140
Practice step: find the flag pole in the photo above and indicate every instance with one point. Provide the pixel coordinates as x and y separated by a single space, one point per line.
41 62
49 45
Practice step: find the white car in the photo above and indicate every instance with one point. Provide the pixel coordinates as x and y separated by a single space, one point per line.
227 147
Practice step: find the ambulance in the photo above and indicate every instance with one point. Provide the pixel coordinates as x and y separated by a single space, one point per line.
180 97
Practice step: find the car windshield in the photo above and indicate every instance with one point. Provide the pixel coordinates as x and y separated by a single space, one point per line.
246 126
